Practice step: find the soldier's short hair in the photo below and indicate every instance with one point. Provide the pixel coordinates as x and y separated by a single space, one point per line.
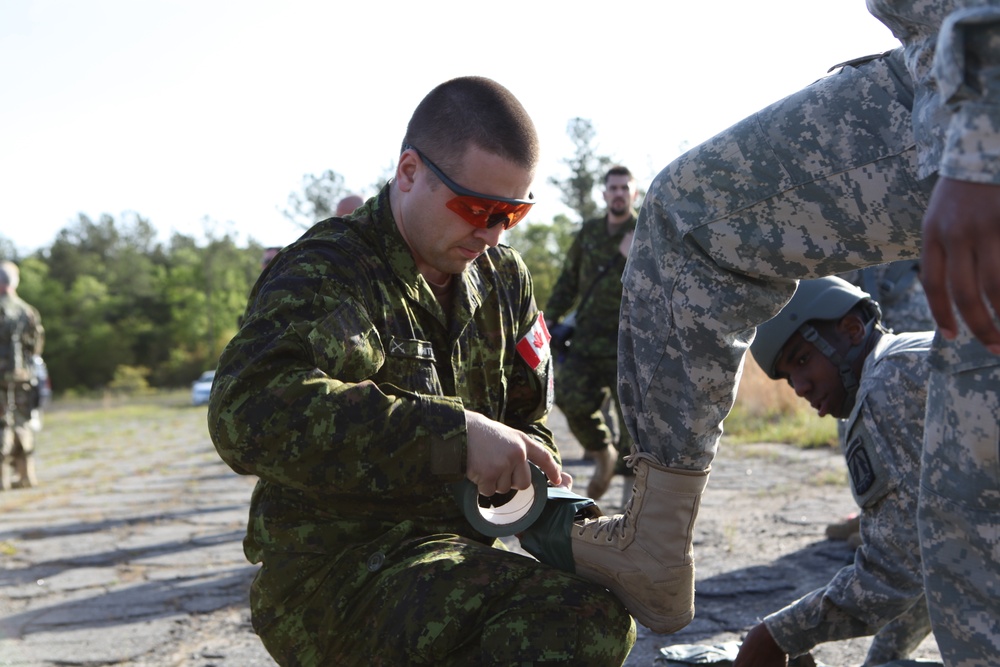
618 170
10 275
475 111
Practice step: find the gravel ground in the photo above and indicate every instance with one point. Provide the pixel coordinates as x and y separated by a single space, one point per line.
129 552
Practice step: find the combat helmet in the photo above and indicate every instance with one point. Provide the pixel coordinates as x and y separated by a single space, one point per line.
821 299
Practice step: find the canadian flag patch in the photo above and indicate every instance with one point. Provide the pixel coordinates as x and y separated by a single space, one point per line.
534 347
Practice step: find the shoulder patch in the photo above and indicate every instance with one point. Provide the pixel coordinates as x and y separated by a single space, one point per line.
870 476
534 346
860 467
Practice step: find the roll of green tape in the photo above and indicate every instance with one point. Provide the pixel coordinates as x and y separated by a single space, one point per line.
504 514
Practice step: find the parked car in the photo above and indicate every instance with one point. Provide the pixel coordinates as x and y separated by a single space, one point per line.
201 388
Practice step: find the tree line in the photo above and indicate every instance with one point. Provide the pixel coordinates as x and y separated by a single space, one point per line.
124 310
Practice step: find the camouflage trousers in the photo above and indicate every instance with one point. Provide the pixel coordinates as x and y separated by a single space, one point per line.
447 601
959 514
17 440
817 184
583 385
900 637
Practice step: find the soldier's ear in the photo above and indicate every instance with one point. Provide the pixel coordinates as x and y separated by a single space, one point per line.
406 170
852 327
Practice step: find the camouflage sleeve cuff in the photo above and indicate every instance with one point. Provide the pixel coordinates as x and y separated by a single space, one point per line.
444 424
787 633
972 144
966 66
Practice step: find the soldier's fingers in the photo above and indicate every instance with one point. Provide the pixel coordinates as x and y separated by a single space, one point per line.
542 457
484 484
935 282
521 478
967 294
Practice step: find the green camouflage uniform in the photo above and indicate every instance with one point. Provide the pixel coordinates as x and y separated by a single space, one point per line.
22 338
589 374
882 448
344 393
834 177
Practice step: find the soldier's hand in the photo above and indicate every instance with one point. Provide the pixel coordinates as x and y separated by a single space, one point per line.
760 650
958 265
498 455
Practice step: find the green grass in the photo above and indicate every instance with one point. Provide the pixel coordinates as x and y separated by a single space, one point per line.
801 428
83 428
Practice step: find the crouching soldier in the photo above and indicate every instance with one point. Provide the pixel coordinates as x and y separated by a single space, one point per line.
829 345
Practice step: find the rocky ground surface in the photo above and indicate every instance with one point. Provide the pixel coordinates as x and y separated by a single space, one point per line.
129 552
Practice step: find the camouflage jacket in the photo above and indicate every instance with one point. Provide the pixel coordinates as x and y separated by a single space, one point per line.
593 259
21 338
885 434
344 389
953 51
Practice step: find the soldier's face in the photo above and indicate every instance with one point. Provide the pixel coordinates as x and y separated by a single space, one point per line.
813 376
441 241
619 194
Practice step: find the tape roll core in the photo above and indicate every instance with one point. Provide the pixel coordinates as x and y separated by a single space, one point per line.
510 517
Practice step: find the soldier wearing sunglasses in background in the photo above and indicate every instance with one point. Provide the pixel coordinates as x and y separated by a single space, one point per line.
589 290
386 356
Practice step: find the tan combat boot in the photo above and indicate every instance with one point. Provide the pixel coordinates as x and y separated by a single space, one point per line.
644 556
604 470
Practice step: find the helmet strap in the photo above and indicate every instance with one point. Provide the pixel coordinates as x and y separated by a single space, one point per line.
843 362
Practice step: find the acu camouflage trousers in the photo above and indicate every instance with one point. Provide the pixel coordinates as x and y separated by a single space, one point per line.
816 184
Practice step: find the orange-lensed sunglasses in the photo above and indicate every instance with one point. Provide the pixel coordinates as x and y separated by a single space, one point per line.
479 210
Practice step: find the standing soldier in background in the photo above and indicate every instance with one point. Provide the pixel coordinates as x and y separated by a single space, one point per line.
588 295
21 338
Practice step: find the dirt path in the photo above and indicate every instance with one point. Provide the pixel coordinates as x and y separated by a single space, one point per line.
130 551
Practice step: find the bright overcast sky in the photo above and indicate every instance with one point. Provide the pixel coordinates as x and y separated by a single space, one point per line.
192 110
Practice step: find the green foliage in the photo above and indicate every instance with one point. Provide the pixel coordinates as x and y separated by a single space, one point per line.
586 170
7 249
543 247
113 298
130 381
317 200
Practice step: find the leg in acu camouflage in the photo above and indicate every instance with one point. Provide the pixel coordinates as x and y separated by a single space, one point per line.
959 505
795 191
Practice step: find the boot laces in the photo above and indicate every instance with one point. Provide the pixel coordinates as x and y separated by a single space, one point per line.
635 456
616 524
